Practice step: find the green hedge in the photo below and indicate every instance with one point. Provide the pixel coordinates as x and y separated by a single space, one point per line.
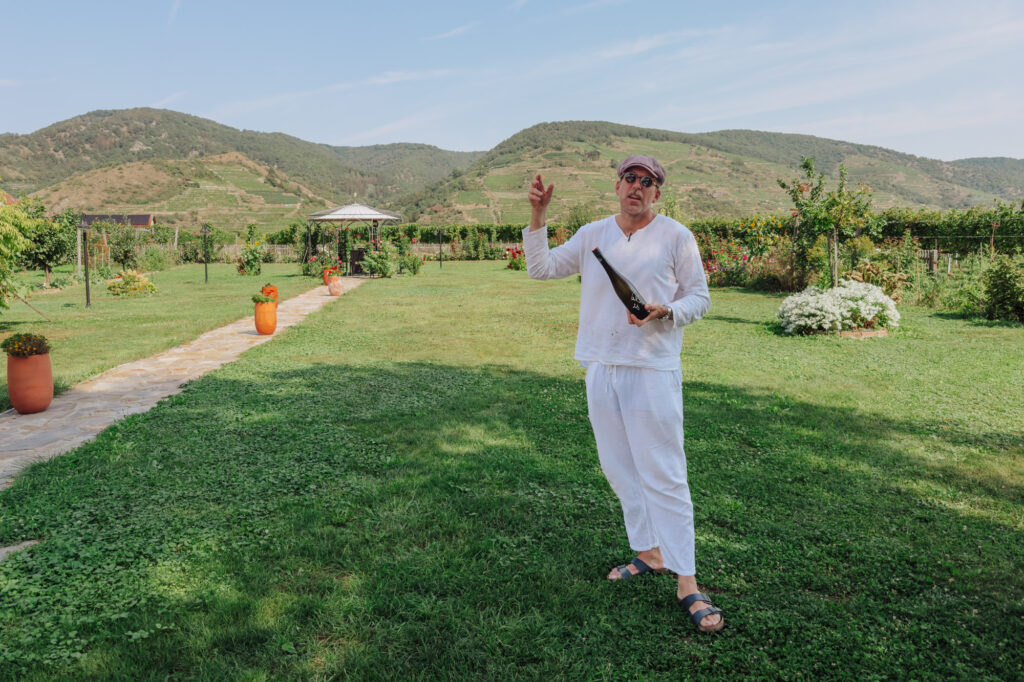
953 230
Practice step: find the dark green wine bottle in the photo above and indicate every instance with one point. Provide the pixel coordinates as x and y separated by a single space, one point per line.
624 289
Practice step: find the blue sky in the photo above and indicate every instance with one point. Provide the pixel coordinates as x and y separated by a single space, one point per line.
937 79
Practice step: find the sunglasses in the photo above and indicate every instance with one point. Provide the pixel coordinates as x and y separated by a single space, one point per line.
645 181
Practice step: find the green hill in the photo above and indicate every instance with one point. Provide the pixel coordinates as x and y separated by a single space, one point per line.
105 138
227 190
729 172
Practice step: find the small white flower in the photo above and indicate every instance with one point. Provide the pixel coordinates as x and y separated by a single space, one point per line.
851 305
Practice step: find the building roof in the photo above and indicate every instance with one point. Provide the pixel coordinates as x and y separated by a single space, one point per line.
132 219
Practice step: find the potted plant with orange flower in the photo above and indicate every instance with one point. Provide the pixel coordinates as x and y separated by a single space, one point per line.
29 374
269 290
266 314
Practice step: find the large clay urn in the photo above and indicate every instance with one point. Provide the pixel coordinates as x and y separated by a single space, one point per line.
334 286
29 382
266 317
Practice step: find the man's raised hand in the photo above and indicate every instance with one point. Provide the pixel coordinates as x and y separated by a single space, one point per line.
539 200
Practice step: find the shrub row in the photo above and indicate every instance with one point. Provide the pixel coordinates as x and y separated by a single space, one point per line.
952 230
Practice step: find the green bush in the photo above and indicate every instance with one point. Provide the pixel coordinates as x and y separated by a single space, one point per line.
62 282
963 295
1004 290
378 263
410 263
130 283
251 260
316 264
155 258
774 271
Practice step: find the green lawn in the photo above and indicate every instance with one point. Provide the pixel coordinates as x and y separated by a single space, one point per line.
115 330
404 487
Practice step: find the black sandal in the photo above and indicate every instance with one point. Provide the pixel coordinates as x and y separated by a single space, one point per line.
696 617
641 569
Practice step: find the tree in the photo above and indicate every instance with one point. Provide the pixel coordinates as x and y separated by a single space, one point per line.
847 211
123 241
580 214
670 207
833 214
806 194
52 241
12 243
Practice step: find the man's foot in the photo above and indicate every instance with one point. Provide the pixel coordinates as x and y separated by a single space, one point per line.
703 614
647 562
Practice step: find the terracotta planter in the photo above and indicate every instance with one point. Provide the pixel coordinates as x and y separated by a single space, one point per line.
334 286
30 383
271 291
327 274
266 318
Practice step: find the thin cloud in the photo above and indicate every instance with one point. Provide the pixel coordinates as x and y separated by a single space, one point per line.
837 74
167 100
388 130
7 83
389 77
588 6
451 34
991 109
386 78
173 14
646 44
517 5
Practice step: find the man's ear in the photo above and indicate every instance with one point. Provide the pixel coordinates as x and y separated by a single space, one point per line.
657 194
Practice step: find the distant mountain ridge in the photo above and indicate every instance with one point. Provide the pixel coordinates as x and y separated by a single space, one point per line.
100 138
728 172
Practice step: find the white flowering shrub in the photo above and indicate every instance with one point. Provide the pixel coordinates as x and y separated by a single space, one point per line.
851 305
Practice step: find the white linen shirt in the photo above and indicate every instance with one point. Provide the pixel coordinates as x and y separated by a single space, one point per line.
663 263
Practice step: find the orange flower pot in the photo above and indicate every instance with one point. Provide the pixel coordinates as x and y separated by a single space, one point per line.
327 274
334 286
30 383
266 318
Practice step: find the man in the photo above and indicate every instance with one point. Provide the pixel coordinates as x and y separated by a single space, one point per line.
634 378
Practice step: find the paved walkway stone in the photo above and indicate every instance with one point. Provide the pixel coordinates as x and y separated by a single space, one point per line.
82 412
5 551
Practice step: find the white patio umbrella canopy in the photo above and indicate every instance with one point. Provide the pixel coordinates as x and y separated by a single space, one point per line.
351 213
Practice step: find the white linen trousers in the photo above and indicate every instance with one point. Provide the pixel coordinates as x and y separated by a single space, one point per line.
637 417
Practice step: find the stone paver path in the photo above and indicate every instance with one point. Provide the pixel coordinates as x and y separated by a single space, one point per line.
79 414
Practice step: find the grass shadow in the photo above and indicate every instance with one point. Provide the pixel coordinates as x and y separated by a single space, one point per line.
412 520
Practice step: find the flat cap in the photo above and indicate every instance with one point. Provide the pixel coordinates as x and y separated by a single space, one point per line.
648 163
